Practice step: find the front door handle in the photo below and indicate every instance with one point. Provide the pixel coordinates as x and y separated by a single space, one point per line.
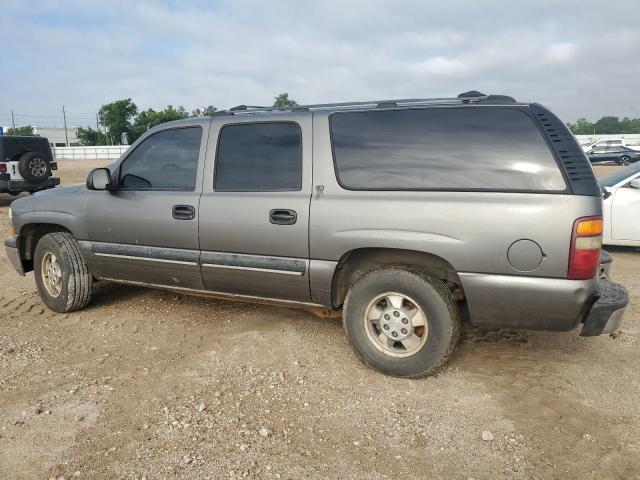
280 216
183 212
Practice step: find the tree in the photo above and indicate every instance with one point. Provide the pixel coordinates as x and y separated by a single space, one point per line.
608 125
581 127
90 137
150 118
283 100
204 112
630 125
22 131
116 117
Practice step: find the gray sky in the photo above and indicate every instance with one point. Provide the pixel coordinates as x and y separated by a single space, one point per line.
581 58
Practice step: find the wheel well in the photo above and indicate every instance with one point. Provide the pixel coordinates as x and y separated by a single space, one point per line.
356 263
30 236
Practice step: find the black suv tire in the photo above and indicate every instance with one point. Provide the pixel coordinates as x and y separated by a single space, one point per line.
420 293
34 167
62 277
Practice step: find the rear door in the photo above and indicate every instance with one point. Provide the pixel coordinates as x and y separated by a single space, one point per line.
254 210
147 231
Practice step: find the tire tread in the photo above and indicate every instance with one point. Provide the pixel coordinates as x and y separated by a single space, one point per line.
441 289
80 280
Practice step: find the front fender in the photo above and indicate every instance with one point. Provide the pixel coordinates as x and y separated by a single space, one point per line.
68 221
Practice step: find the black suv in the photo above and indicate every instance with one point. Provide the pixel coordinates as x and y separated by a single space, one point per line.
26 165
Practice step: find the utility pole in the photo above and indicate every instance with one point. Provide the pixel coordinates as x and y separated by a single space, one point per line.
66 135
97 123
13 121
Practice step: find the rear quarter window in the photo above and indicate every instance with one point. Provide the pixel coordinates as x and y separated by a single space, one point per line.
473 148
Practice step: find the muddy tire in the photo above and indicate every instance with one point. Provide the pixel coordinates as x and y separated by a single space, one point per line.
401 322
62 278
34 167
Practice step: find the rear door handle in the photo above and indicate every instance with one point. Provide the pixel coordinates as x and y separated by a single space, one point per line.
184 212
280 216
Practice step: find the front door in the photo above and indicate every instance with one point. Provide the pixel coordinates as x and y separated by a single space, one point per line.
254 210
147 230
625 214
599 154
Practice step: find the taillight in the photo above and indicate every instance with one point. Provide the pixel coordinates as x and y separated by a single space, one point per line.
54 165
3 168
586 243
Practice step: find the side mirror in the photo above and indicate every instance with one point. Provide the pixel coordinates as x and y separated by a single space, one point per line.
635 183
99 179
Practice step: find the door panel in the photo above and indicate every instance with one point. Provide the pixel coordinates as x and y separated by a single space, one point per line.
246 247
146 231
625 214
599 155
135 237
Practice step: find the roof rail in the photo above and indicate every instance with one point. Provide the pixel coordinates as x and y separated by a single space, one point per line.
466 97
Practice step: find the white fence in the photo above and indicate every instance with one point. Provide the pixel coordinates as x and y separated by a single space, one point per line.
89 153
630 139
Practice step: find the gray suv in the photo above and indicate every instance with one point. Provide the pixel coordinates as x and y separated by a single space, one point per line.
406 217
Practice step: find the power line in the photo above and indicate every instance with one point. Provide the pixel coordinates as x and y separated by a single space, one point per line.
30 115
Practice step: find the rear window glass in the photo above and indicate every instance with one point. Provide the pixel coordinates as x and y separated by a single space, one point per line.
259 156
442 149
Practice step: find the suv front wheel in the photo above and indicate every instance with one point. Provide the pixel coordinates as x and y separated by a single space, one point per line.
63 280
401 321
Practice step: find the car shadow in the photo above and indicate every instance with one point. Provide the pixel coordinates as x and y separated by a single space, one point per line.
6 200
109 293
620 249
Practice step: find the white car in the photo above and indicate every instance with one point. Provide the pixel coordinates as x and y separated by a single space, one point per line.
621 207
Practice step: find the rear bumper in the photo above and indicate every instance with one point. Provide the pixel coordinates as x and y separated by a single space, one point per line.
12 247
606 313
23 186
550 304
532 303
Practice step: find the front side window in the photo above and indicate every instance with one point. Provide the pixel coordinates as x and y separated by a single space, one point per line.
259 156
167 160
486 148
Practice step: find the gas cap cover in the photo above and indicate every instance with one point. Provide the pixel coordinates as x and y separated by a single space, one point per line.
525 255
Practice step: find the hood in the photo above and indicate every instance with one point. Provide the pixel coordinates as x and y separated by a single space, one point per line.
61 199
60 190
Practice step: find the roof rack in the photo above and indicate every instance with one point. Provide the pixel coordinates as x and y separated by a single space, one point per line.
466 97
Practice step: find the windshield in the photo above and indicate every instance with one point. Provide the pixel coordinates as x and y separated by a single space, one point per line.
615 178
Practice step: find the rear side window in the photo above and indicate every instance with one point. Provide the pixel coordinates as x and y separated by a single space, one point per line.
259 156
442 149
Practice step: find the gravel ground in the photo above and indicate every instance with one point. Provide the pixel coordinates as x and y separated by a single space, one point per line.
149 384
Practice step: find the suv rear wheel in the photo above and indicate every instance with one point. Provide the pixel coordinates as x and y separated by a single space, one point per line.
63 281
401 321
34 167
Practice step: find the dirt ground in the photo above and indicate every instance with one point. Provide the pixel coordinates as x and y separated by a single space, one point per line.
150 384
